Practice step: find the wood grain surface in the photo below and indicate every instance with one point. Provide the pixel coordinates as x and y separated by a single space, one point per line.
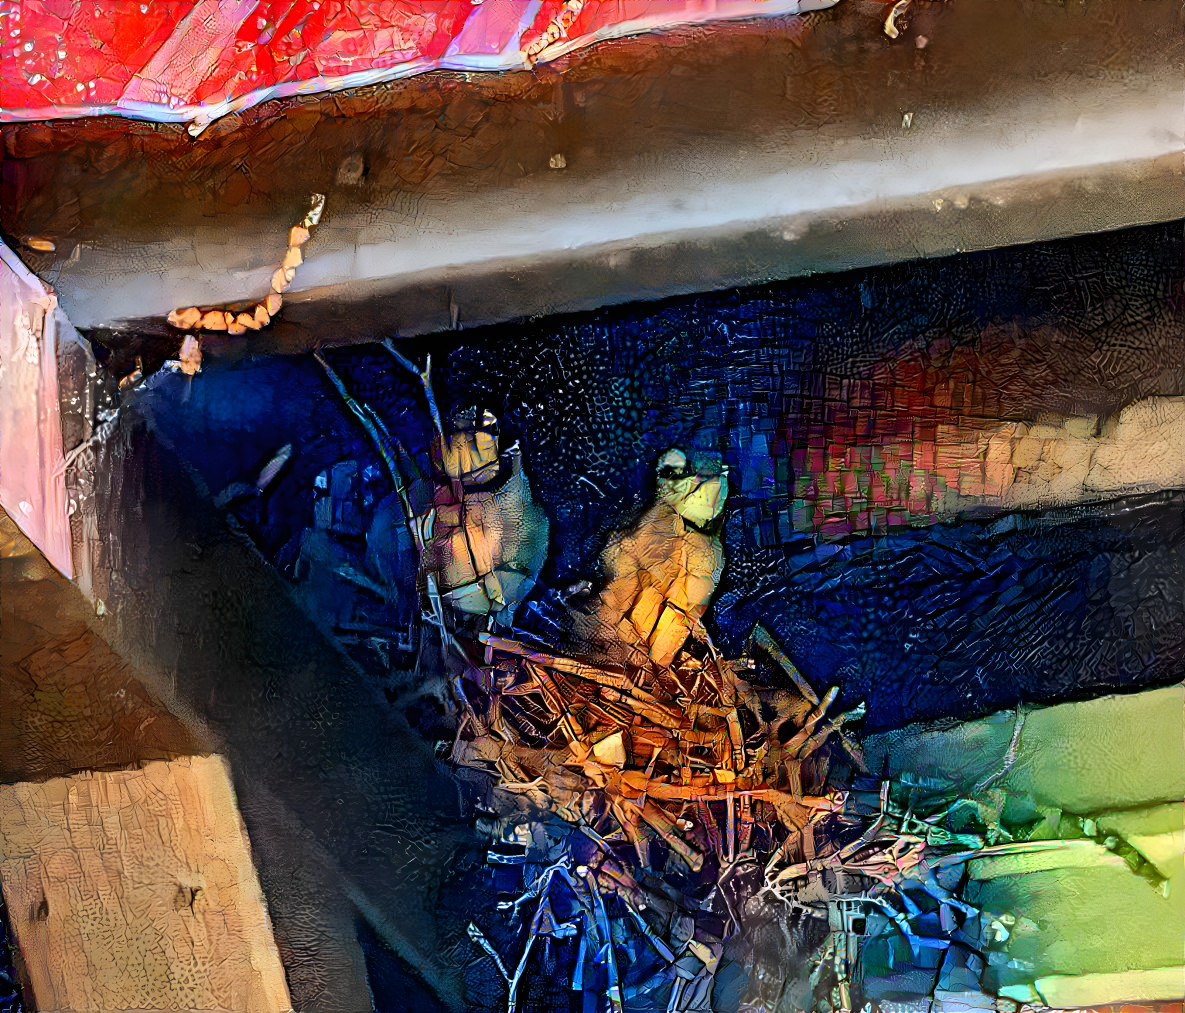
135 890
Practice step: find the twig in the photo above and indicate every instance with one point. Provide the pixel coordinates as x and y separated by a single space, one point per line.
425 377
762 638
379 435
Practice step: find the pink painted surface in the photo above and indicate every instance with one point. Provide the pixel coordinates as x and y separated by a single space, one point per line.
196 60
32 463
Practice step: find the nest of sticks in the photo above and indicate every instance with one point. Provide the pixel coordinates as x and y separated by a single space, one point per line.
694 755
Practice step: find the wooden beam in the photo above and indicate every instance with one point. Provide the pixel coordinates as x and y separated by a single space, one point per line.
135 890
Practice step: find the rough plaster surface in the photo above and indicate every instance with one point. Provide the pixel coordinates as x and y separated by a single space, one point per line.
68 702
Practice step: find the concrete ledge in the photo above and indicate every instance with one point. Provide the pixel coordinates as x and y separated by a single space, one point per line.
694 160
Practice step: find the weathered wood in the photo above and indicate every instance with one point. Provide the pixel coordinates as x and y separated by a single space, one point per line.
135 890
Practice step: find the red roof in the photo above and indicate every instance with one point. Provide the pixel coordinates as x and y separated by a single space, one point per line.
196 60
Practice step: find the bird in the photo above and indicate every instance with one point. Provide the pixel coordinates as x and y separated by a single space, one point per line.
484 536
660 574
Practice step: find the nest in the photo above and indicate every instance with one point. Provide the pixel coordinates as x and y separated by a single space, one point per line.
691 754
726 777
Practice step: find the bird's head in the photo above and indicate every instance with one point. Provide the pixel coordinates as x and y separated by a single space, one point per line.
695 488
470 447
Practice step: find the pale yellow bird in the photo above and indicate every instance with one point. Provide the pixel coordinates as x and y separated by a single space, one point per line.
662 572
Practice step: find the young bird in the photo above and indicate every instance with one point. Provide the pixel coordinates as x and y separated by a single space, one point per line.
484 536
661 573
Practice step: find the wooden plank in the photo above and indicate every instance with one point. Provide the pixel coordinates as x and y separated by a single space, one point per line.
135 890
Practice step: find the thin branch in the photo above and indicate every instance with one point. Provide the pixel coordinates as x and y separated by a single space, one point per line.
425 377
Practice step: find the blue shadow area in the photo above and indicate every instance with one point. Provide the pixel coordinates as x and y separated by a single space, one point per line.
948 619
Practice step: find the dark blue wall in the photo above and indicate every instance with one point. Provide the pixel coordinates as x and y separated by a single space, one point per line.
933 619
